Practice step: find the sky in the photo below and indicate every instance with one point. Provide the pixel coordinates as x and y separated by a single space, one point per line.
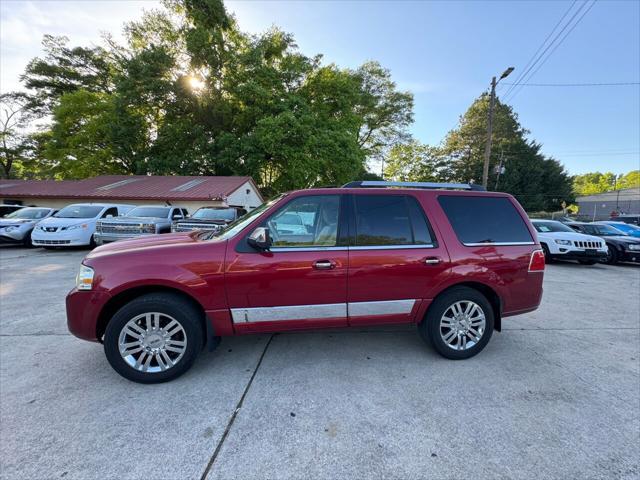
445 52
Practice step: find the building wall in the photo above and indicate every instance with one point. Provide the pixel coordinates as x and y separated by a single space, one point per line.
601 210
246 196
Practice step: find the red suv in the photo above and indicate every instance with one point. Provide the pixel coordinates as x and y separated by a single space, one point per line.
447 257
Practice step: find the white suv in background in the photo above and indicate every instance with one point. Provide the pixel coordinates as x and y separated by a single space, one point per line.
561 242
75 224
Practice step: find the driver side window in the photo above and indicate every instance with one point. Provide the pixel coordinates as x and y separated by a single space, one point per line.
113 211
306 221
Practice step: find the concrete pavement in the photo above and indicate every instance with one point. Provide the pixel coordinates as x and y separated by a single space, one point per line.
555 395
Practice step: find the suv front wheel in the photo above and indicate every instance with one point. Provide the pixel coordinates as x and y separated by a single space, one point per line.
154 338
459 323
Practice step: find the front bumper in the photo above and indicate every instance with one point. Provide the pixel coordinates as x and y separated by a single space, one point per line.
7 238
102 238
595 255
83 312
630 256
71 238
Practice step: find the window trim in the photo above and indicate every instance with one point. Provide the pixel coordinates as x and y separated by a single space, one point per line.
243 247
352 225
500 244
484 244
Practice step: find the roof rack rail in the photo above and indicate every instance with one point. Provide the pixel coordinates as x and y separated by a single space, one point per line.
427 185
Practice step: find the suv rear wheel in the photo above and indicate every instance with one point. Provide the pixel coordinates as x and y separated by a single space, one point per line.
459 323
154 338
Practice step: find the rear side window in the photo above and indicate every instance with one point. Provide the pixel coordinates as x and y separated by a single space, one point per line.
478 220
390 220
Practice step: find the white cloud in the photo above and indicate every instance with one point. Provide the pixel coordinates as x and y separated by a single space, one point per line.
23 24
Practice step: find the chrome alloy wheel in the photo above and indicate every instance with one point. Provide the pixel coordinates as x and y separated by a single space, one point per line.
462 325
152 342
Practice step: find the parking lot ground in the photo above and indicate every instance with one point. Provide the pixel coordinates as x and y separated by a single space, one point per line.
555 395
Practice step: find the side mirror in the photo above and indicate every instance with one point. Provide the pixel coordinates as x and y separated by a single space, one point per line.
260 239
109 216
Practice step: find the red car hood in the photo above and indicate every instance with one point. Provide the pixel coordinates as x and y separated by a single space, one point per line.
146 243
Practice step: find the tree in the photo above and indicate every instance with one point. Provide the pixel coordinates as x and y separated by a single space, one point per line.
539 182
16 145
414 161
65 70
597 182
385 112
189 93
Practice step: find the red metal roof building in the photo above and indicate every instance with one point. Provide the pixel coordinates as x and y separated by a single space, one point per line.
188 192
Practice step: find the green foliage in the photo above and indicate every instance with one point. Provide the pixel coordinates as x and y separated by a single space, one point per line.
191 94
537 181
415 162
596 182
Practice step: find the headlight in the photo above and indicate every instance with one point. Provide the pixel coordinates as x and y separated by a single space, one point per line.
148 227
633 246
84 280
74 227
563 242
10 229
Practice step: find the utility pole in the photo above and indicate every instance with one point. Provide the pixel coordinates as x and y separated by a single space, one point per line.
500 169
487 147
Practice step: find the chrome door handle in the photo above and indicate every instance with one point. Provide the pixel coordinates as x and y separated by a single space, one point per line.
324 265
432 260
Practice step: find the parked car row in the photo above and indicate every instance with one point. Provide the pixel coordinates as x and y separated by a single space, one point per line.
90 224
589 242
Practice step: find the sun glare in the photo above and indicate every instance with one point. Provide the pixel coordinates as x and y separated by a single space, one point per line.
196 84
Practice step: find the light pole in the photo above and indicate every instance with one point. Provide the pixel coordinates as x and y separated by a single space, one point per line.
487 147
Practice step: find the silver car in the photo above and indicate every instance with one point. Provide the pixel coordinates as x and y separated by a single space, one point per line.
143 220
16 227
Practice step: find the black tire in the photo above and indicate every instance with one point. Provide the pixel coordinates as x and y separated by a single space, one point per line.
587 262
547 253
174 307
612 255
430 329
27 240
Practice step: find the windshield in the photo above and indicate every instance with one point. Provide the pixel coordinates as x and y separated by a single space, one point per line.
158 212
625 227
602 230
79 211
551 226
215 214
29 213
234 227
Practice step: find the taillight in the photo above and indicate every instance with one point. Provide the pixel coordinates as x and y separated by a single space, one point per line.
536 264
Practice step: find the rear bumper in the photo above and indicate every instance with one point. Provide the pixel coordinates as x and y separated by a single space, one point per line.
83 312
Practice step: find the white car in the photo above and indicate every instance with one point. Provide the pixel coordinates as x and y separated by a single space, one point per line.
17 226
561 242
75 224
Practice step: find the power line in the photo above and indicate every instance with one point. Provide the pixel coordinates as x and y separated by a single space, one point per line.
535 56
518 89
574 84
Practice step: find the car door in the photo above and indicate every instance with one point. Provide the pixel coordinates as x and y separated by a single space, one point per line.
301 282
394 256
